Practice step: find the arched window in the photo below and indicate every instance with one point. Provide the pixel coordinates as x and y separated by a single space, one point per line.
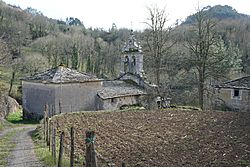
133 64
126 64
134 61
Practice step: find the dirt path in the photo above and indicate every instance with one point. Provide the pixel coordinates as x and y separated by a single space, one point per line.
23 154
4 132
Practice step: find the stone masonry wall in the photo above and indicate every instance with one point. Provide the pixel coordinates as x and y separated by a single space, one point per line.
72 97
35 97
77 96
242 103
116 103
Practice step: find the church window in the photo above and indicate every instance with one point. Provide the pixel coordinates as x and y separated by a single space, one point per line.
126 64
134 60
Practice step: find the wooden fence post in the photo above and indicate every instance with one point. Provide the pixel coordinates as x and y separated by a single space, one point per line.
90 149
45 122
72 148
53 146
61 149
50 131
44 126
47 130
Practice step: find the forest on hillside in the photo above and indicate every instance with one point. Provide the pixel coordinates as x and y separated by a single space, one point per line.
184 59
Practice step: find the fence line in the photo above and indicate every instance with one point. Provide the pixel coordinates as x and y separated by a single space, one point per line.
53 146
60 156
50 135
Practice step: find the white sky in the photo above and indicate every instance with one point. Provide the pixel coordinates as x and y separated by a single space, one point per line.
124 13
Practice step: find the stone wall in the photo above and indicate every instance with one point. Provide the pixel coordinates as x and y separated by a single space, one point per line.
224 98
77 96
35 97
72 97
117 102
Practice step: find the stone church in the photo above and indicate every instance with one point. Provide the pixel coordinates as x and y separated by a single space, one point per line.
66 90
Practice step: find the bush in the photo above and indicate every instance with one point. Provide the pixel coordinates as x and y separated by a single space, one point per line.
15 117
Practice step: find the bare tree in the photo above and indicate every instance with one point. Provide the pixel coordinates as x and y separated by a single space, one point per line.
158 39
33 62
208 54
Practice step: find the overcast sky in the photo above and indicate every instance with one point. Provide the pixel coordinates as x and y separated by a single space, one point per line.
124 13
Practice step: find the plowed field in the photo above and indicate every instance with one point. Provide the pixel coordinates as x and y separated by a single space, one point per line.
164 138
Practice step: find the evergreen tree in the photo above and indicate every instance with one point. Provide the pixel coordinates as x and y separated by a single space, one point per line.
74 59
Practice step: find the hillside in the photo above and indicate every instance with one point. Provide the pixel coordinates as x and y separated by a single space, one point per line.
162 138
218 12
31 42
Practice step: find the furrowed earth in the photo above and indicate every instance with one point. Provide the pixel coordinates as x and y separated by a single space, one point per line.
162 138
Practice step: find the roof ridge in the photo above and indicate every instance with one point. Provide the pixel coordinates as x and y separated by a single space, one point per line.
236 79
61 74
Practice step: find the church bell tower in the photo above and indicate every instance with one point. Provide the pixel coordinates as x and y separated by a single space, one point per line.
132 57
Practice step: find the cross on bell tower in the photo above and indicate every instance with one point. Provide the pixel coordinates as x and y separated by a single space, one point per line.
132 57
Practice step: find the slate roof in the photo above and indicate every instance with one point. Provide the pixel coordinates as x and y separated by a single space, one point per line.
61 74
131 45
119 89
240 83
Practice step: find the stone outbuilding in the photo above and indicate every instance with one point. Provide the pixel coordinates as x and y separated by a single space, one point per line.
234 94
63 89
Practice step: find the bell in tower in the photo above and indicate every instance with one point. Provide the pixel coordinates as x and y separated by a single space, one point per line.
132 57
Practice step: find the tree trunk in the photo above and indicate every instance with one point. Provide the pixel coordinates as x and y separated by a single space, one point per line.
157 67
201 90
12 81
158 76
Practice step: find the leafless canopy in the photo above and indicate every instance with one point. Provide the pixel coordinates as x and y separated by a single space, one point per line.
158 38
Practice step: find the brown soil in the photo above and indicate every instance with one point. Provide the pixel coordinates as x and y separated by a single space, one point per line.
164 137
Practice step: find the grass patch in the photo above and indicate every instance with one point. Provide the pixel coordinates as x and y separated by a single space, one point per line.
17 118
42 150
6 146
6 73
5 124
245 162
